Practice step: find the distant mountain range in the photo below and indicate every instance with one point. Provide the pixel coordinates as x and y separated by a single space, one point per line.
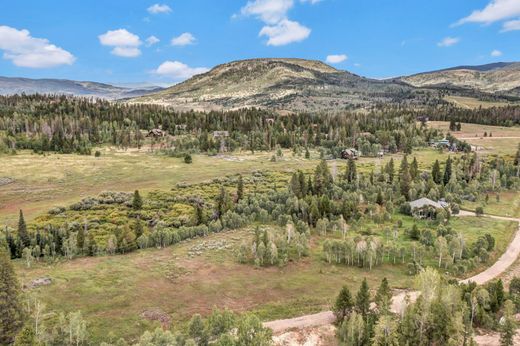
293 84
499 78
11 86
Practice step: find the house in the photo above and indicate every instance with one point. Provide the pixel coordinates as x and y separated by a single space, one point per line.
425 208
443 143
220 134
349 154
156 133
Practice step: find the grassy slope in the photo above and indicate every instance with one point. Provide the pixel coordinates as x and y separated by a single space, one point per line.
114 291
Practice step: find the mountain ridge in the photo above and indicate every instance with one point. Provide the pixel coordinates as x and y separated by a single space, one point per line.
18 85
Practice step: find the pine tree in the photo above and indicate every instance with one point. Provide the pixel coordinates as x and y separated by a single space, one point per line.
363 299
390 170
436 172
351 171
405 178
138 227
137 202
343 306
414 169
240 188
11 316
508 326
384 296
23 235
80 238
447 171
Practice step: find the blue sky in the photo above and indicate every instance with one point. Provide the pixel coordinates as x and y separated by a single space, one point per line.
164 42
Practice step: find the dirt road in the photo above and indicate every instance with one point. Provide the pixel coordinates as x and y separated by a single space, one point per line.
398 301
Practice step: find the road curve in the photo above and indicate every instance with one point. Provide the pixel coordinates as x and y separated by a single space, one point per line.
398 301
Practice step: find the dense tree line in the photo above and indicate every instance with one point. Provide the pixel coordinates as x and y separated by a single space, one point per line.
66 124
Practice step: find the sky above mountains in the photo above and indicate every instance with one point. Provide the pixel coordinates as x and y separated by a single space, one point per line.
121 41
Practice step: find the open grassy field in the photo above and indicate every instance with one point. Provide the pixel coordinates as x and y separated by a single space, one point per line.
193 277
42 182
504 140
508 204
472 103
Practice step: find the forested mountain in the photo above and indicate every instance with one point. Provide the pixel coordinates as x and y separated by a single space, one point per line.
286 84
500 78
12 86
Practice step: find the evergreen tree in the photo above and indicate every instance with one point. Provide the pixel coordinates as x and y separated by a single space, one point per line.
138 227
384 296
508 325
80 238
447 171
390 170
436 172
414 169
351 171
240 188
137 202
363 299
23 235
405 179
11 308
343 306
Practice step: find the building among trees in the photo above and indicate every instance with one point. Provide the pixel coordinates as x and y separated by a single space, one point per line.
425 208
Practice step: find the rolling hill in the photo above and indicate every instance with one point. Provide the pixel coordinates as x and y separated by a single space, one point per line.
11 86
498 78
285 84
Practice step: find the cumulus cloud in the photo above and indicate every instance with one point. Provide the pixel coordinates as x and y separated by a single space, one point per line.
496 53
27 51
448 42
336 58
269 11
285 32
150 41
496 10
159 8
126 52
311 1
177 70
124 42
511 25
279 29
183 39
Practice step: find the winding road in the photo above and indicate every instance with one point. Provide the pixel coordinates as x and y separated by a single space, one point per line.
398 301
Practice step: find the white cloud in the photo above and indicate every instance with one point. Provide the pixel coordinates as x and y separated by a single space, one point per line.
119 37
159 8
269 11
336 58
126 52
312 2
183 39
279 29
511 25
496 53
177 70
285 32
448 42
124 42
150 41
27 51
496 10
